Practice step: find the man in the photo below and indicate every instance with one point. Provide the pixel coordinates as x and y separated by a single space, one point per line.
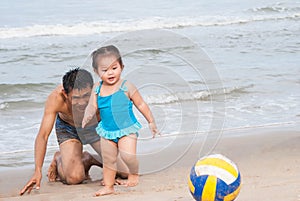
65 106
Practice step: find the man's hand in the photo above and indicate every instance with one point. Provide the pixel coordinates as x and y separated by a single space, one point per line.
34 181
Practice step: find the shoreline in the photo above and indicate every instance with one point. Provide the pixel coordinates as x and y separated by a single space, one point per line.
152 146
269 162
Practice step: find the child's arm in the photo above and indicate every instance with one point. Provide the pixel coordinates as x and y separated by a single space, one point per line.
142 106
91 108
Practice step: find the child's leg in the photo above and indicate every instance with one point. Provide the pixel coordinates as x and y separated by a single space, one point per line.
109 152
127 149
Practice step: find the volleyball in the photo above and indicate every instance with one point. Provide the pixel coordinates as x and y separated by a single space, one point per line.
214 178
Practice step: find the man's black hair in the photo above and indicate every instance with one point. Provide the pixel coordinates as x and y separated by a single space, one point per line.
77 79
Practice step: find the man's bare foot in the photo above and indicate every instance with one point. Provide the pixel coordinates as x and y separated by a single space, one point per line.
88 161
52 170
133 180
105 191
122 175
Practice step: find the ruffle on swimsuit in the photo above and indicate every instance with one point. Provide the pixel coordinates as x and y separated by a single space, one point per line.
117 117
112 135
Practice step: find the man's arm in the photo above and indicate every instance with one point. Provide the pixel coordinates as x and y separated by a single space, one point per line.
41 140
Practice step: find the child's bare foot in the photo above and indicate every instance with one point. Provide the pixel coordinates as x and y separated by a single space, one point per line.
52 170
117 182
133 180
105 191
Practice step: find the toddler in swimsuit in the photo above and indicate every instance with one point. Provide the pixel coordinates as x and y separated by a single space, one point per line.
118 127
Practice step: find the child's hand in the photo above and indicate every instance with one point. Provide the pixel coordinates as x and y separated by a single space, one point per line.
153 129
86 120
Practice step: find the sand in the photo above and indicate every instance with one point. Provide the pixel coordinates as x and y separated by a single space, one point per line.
269 163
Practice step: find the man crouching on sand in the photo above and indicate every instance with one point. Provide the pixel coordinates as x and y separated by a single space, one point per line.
65 106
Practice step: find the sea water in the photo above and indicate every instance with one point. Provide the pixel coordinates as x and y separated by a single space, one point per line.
252 47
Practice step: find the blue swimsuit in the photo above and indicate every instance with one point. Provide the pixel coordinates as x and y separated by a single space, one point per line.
117 117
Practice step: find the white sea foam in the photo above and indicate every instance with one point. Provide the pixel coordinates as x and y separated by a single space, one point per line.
193 95
3 106
98 27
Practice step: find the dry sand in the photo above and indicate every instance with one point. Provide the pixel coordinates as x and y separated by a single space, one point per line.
269 163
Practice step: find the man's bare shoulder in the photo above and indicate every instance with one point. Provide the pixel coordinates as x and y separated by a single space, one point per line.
56 94
56 98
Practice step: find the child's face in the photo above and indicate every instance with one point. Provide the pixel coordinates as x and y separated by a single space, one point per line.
109 69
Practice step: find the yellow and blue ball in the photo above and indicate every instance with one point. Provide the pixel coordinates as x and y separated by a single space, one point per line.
214 178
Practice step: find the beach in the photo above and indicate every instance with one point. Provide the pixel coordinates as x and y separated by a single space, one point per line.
230 69
268 162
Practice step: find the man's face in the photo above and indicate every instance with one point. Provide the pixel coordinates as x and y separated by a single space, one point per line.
79 99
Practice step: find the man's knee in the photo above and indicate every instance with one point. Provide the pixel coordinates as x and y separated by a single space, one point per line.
75 177
75 174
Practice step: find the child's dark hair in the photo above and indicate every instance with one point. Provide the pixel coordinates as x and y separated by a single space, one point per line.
77 79
105 51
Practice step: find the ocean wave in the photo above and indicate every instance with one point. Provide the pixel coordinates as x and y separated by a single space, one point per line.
24 96
276 8
31 101
98 27
194 95
21 104
6 89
